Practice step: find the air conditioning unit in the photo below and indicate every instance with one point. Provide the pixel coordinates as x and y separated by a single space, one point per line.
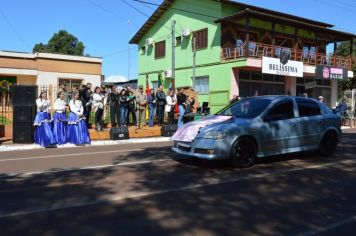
149 41
186 32
168 73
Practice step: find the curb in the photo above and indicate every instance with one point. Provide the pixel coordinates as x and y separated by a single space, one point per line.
93 143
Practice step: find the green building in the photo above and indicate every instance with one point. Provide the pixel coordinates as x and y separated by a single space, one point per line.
240 50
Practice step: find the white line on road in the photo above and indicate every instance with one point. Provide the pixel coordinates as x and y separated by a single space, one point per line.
330 227
69 155
117 198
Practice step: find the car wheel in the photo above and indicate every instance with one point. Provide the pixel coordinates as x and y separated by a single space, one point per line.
243 153
328 143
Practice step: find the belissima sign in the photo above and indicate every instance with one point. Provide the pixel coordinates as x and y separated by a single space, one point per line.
277 66
330 72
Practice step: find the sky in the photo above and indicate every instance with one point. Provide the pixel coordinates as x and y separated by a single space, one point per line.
106 26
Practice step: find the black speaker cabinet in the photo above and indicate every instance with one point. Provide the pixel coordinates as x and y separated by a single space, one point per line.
168 130
24 114
23 95
119 133
22 132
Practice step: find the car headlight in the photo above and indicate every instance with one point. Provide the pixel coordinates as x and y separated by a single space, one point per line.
215 134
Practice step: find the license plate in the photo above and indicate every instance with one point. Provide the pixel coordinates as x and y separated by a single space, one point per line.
187 145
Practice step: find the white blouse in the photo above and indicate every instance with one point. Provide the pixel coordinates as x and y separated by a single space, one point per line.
60 105
171 101
98 101
43 105
76 107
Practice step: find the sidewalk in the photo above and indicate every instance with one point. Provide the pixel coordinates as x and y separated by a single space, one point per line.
18 147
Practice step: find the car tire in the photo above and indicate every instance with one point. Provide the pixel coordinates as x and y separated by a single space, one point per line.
328 143
243 153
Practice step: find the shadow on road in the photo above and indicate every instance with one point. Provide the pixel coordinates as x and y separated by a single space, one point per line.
285 203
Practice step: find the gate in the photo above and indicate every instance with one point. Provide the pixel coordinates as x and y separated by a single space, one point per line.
5 107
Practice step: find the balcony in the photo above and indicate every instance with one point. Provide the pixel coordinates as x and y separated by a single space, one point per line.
259 50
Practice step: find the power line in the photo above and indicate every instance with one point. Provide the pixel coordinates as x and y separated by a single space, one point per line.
14 29
118 52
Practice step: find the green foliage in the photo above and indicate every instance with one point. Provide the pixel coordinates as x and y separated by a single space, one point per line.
61 43
343 49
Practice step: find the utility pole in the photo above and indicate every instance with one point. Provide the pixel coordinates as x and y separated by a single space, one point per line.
194 59
128 50
173 53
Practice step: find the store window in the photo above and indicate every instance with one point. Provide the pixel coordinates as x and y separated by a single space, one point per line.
310 87
256 83
201 84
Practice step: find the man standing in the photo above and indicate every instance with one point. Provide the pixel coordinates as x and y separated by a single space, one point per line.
141 103
62 88
151 100
181 99
161 102
114 106
87 100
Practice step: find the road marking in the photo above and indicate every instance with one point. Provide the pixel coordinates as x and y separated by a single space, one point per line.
87 168
69 155
123 197
327 228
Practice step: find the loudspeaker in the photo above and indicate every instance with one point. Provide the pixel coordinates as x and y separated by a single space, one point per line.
119 133
22 132
168 130
24 114
23 95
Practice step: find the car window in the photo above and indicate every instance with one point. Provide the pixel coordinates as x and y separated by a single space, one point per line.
246 108
308 108
281 111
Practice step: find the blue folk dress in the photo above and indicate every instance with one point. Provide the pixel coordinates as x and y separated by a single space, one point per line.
60 122
77 128
43 127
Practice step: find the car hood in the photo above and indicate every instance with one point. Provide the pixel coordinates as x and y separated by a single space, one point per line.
189 131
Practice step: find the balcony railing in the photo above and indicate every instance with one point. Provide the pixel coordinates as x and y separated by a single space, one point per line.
259 50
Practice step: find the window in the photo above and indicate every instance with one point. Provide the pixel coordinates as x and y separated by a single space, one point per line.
71 83
160 49
281 111
307 108
201 38
178 41
247 108
143 50
201 84
155 85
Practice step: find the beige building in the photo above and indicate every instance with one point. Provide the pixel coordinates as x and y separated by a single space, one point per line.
45 69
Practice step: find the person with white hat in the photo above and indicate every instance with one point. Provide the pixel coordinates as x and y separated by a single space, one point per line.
321 99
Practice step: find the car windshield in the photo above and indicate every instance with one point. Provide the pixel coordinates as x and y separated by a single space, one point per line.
247 108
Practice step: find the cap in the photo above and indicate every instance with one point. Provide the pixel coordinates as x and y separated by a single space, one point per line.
140 87
321 97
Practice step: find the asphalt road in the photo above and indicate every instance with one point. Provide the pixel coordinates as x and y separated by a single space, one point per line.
145 189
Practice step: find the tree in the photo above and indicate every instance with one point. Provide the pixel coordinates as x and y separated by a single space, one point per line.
61 43
343 49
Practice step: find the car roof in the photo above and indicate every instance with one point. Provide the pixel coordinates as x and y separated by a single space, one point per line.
274 97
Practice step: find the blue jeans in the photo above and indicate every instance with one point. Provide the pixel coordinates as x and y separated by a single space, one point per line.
123 115
181 114
151 114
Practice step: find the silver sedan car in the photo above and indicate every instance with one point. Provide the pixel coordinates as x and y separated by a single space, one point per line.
261 126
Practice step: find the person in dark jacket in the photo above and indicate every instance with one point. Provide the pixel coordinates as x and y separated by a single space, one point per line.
132 106
182 105
161 102
113 100
152 104
124 104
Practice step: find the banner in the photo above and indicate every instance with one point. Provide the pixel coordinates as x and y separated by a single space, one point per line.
282 66
6 82
330 72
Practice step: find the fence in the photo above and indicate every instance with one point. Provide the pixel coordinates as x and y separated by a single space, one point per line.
5 107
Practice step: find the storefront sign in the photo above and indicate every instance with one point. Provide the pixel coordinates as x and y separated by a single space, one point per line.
329 72
282 66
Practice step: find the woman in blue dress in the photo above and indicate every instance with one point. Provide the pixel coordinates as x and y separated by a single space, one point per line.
60 119
43 130
77 128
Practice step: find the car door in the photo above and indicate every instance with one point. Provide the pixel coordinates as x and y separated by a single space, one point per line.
310 121
280 131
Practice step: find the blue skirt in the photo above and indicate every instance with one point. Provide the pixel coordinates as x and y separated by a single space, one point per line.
43 130
60 127
77 130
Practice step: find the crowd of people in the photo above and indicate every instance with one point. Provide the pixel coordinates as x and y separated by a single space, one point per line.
71 111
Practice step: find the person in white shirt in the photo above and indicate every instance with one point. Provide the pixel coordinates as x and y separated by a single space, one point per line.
77 128
43 131
98 105
170 107
60 119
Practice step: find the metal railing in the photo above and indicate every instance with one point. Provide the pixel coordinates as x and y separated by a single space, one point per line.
259 50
